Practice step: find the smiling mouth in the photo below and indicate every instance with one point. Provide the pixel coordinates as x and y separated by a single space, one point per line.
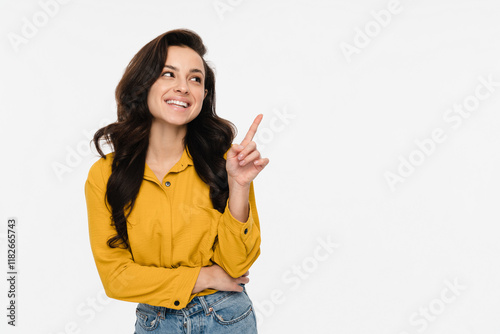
178 103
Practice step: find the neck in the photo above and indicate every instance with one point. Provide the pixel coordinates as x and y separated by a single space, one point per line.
165 142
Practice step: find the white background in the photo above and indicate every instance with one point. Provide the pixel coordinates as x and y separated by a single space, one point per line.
349 121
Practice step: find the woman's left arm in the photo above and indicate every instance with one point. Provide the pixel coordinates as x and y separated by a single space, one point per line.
238 243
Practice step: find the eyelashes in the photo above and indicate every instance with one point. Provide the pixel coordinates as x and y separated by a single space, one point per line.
171 75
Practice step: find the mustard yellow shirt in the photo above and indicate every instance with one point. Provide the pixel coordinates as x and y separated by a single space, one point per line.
173 231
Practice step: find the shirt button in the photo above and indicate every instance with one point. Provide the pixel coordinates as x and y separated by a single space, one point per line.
176 303
246 231
167 183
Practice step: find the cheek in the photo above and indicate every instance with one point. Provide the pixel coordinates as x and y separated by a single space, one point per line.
200 95
154 95
200 99
150 102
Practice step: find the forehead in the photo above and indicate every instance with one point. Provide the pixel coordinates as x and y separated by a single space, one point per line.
184 57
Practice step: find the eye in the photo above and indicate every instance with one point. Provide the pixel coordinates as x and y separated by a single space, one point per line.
197 79
168 74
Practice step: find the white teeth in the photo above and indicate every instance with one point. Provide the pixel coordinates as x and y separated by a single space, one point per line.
178 103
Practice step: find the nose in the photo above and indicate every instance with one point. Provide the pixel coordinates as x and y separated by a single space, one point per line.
181 87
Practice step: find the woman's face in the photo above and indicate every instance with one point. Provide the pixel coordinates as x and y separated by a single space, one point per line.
177 95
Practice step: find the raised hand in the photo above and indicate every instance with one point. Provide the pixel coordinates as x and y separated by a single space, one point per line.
243 161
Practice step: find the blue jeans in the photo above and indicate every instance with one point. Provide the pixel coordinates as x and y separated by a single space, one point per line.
220 312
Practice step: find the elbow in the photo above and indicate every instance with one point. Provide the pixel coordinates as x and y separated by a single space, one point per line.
241 268
110 293
113 290
119 286
236 261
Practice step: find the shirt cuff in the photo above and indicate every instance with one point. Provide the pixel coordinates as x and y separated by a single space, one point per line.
242 229
183 293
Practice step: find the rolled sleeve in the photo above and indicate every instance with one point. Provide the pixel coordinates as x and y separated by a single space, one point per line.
238 243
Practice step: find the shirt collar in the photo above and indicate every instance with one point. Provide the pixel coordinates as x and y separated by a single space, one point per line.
179 166
183 162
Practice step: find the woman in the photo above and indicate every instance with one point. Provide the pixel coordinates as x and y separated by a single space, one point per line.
172 216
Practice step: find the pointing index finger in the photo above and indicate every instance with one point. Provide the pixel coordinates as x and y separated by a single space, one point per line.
253 129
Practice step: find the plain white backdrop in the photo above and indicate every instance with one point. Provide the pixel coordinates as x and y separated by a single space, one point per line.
379 208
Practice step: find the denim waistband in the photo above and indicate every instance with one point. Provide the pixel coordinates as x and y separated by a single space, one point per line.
198 304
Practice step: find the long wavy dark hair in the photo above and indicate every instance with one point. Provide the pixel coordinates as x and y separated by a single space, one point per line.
208 136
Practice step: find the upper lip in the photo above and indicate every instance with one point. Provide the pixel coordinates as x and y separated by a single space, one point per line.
181 99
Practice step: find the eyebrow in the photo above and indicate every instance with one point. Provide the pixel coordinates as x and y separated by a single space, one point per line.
193 70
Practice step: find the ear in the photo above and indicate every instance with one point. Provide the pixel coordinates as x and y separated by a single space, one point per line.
206 92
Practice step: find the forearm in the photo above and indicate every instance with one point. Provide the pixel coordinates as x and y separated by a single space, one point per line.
238 242
238 200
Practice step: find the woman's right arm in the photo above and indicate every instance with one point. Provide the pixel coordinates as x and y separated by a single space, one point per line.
126 280
121 277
